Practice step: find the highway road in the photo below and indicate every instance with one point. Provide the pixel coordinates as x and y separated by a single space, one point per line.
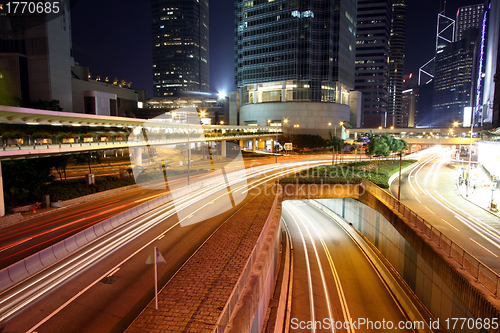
105 285
333 281
32 235
429 189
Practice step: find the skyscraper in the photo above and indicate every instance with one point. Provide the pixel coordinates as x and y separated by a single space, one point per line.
36 57
453 80
294 52
372 53
396 64
468 17
180 46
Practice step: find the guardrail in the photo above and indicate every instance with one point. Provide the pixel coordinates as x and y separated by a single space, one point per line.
479 271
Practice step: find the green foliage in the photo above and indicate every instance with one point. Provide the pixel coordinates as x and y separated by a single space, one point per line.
335 142
304 141
76 187
384 145
52 105
377 172
25 181
12 135
40 135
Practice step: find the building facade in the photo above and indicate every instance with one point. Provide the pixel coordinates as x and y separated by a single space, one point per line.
372 53
294 52
180 35
396 65
36 52
453 82
468 17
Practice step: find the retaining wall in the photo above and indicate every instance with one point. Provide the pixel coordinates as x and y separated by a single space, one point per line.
451 282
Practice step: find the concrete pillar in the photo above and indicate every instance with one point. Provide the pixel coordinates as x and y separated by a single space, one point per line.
223 148
2 203
242 143
137 157
283 91
273 144
255 99
254 145
261 144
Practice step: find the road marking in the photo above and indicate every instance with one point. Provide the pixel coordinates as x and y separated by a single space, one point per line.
483 247
450 225
151 197
15 244
417 199
113 272
309 277
429 210
340 289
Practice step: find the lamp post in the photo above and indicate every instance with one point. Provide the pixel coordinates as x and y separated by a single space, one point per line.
399 182
470 156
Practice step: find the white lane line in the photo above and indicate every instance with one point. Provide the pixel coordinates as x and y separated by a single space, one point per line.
162 216
309 277
340 289
483 247
429 210
451 225
323 279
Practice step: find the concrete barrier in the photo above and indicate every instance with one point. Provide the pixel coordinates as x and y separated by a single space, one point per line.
99 229
70 244
5 281
18 272
81 239
60 250
248 303
33 264
90 234
47 257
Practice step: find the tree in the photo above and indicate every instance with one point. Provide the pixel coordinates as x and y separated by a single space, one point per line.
60 163
336 143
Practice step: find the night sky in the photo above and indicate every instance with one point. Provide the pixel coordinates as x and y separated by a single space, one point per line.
113 38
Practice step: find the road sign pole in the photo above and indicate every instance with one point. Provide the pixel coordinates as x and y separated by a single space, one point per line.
156 280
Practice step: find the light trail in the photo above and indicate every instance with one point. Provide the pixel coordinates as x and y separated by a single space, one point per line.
22 294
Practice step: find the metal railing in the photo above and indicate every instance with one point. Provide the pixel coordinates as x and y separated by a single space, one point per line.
118 144
479 271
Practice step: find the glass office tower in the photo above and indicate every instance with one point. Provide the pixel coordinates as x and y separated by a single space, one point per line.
180 46
294 51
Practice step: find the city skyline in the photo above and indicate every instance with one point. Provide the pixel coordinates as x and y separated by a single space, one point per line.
127 45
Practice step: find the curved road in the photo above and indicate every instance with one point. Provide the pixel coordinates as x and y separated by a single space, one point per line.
429 189
333 281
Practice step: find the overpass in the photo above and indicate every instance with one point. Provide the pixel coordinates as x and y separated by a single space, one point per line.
166 131
424 135
139 134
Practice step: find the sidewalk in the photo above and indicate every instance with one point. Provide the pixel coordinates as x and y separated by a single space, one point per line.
194 298
480 191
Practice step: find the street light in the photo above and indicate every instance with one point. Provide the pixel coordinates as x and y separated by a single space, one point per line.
222 122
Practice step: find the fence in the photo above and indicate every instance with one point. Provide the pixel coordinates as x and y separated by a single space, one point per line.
479 271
